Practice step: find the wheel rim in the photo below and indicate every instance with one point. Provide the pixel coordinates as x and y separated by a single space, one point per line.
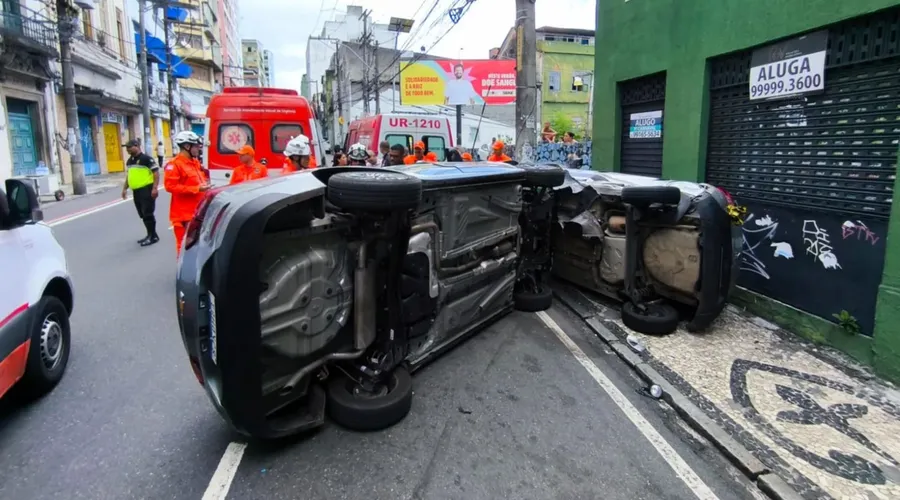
51 342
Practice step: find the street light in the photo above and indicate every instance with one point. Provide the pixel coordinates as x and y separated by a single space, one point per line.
396 25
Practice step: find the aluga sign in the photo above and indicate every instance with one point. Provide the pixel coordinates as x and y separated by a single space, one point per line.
789 68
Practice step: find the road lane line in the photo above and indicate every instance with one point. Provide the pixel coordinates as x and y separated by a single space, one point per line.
224 475
681 468
85 212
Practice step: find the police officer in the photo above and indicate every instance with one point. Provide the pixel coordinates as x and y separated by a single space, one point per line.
143 180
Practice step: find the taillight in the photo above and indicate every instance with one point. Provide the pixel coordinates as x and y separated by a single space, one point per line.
727 195
192 231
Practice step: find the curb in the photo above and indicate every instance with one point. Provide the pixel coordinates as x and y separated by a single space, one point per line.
739 456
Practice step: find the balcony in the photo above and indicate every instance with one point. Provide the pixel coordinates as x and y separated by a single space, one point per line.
28 30
210 21
209 55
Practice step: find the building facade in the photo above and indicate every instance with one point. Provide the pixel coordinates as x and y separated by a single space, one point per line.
565 67
230 38
198 41
255 63
788 105
268 71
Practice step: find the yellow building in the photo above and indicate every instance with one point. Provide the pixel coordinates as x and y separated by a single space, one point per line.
198 43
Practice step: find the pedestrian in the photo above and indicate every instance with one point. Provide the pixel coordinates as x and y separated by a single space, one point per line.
336 156
160 153
467 156
248 169
385 149
431 157
357 155
297 147
453 155
418 153
498 154
297 151
142 177
398 152
186 182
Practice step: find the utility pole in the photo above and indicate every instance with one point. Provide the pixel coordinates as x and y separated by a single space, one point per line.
526 76
377 81
170 81
66 25
365 57
145 79
337 85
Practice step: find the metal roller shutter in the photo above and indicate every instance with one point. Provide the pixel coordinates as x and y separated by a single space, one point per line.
816 172
642 156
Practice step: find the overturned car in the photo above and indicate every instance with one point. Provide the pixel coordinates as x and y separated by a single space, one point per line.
322 291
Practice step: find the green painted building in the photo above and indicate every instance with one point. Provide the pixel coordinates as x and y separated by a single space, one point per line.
565 63
793 106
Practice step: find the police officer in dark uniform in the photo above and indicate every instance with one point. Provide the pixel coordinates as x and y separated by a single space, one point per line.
142 177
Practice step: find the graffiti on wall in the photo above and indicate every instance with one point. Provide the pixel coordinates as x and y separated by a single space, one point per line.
818 244
817 262
757 232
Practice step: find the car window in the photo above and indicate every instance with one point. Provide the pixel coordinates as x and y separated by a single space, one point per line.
436 145
404 140
281 134
233 136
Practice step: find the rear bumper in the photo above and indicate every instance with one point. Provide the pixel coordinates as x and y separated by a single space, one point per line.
719 263
219 316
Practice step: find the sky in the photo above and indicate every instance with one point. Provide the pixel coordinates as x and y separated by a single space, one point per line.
283 26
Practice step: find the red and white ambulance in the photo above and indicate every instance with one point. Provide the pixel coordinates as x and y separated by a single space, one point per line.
402 128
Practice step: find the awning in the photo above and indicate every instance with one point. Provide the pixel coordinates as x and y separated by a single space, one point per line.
176 14
155 47
180 69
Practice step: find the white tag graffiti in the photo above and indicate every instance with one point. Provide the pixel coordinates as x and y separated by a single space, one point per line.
818 244
783 249
753 238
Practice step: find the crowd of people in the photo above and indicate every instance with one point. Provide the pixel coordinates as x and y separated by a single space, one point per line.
187 181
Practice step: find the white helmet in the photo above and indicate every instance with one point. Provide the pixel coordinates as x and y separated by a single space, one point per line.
298 146
358 152
187 137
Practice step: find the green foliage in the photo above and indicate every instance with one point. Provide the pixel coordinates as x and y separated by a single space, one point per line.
561 123
847 322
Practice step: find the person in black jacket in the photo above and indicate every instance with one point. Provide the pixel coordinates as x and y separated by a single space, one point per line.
142 178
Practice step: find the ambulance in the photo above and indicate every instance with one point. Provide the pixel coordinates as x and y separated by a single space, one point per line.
405 129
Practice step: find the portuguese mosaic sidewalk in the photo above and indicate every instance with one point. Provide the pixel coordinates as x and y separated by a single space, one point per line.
802 420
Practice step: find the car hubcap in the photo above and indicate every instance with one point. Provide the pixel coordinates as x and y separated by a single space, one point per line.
51 342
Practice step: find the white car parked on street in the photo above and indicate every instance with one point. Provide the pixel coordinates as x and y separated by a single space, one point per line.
36 299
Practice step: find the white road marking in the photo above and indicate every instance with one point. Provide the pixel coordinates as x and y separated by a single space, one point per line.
224 475
681 468
85 213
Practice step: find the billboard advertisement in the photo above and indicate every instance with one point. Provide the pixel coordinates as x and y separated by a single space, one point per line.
472 82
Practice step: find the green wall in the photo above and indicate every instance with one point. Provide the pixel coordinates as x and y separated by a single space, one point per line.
678 37
566 58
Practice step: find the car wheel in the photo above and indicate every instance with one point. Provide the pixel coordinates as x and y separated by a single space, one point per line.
648 195
48 354
536 300
544 175
656 319
359 411
375 191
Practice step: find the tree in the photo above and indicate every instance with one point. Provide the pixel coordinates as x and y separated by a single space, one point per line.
561 123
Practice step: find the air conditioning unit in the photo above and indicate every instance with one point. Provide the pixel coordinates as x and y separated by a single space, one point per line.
86 4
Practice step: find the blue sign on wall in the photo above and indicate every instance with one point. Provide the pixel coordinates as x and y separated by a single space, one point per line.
646 125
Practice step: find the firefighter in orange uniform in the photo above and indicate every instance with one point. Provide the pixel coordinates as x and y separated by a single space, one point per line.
467 157
298 155
498 154
249 169
185 180
418 154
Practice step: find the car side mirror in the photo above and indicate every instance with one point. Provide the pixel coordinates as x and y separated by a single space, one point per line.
23 204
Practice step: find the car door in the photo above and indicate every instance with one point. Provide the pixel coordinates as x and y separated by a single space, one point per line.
14 269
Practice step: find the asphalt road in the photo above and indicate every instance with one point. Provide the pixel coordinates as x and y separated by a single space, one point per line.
512 413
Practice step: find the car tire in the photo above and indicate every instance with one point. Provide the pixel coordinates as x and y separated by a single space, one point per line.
528 301
48 354
659 319
370 413
374 191
648 195
544 175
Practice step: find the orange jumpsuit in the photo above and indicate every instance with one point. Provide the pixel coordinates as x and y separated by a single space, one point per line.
500 157
183 178
243 173
410 159
289 167
431 156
